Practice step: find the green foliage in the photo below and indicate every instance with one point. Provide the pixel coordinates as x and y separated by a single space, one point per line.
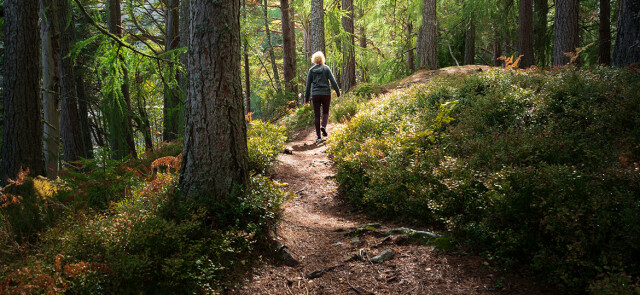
529 168
273 104
298 118
265 142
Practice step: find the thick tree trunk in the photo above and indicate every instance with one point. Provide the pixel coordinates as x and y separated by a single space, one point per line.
525 33
540 41
215 159
604 30
22 132
50 85
348 53
565 38
83 100
70 128
172 109
289 47
317 27
470 44
272 55
411 63
426 44
626 50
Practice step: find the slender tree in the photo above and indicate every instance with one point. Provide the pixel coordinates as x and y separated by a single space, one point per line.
172 109
317 27
22 107
411 63
565 38
525 33
215 159
247 68
470 44
604 32
272 55
540 39
426 43
348 52
50 85
289 47
83 99
626 50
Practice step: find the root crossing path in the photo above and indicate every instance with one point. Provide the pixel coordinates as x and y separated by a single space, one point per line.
335 245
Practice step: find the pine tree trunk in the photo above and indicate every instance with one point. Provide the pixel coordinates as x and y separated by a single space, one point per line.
604 30
497 52
426 44
348 52
540 41
50 85
172 109
411 63
626 50
317 27
470 44
83 100
184 42
363 44
215 159
289 48
565 38
272 55
22 132
525 33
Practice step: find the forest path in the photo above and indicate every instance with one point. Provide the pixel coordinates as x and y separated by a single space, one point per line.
314 227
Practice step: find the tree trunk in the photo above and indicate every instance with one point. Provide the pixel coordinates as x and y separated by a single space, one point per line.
215 159
184 42
70 128
470 44
411 63
50 86
247 78
497 52
363 45
83 100
525 33
348 53
565 38
272 55
426 44
289 48
317 27
22 132
172 109
604 30
540 31
627 47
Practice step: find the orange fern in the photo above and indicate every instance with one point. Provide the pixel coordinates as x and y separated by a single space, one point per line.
169 162
509 63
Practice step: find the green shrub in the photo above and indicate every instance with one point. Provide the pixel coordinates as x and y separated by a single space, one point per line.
537 169
265 142
297 118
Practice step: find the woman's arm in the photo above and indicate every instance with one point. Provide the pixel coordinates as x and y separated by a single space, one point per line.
334 84
307 91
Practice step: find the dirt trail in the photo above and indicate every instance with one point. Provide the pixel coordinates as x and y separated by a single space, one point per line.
314 226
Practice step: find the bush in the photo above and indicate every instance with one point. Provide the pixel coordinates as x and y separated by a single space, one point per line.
265 142
530 168
297 118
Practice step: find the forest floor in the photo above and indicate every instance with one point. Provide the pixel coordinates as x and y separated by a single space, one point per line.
320 229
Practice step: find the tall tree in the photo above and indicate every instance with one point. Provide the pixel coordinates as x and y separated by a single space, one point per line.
626 50
604 30
172 109
83 98
317 27
289 47
348 52
411 63
525 33
565 37
22 132
470 44
70 128
184 42
215 158
272 55
50 85
540 40
426 44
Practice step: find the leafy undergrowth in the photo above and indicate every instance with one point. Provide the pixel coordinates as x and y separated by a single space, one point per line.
534 169
122 228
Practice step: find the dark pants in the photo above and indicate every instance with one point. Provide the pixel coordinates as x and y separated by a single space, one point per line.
318 101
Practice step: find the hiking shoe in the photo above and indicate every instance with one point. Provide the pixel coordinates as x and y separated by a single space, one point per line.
324 131
319 140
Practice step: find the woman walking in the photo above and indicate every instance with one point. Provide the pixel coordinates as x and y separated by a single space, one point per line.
320 80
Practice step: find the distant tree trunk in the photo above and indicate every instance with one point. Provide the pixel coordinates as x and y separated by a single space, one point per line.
540 41
289 48
497 52
215 159
470 44
50 85
184 42
411 63
604 30
525 33
426 44
70 128
565 38
363 45
22 132
348 53
626 50
247 68
172 109
272 55
83 101
317 26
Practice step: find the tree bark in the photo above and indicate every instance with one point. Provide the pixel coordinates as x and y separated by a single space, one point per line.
50 85
525 33
411 63
363 44
317 27
171 111
348 52
426 44
289 48
565 38
184 42
22 132
626 50
272 55
470 44
215 159
83 99
540 39
604 30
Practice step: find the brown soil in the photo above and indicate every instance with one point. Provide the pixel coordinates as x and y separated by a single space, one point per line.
313 228
426 75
